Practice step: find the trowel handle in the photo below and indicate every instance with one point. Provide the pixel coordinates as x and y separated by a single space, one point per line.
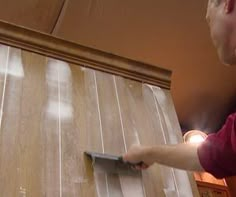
141 164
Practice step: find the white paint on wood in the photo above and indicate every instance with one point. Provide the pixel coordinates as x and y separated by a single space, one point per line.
99 111
182 182
59 128
5 81
121 121
101 130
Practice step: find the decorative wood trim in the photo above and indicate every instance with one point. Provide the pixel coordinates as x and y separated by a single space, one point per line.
214 186
70 52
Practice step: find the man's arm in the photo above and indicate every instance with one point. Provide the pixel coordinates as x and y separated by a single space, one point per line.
182 156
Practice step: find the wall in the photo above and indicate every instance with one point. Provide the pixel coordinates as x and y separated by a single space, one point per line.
173 35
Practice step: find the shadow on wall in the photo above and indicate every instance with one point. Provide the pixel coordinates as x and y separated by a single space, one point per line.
207 117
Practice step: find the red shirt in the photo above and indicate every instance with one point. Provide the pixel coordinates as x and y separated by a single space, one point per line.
217 154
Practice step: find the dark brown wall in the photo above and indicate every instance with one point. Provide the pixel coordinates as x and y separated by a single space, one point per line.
231 182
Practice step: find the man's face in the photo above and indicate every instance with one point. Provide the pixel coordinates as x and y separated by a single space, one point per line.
221 29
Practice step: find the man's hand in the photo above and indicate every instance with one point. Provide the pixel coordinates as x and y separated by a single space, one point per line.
182 156
137 154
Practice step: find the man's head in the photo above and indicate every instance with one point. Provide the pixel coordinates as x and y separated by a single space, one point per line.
221 16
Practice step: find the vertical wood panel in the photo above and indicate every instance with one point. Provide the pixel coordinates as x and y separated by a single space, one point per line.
169 182
29 133
177 130
9 133
4 59
139 128
165 107
131 185
51 133
20 160
110 125
78 130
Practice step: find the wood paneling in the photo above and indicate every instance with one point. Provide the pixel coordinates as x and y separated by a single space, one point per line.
140 129
39 15
78 118
53 111
212 190
21 141
207 177
110 120
171 130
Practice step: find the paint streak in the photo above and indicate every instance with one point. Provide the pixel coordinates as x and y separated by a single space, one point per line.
59 108
121 121
101 132
4 86
182 182
22 192
59 129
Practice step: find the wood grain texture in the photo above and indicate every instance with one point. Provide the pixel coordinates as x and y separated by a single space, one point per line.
21 161
130 185
160 134
39 15
77 130
53 111
139 129
173 132
111 127
110 119
51 133
10 123
30 139
4 59
74 53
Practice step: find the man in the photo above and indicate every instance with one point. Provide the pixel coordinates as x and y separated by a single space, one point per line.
217 154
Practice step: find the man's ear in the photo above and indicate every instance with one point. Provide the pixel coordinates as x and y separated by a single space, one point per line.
229 6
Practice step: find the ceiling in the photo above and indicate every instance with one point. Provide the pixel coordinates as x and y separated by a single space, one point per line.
169 34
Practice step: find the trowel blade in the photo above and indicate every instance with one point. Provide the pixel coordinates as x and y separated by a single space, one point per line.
106 163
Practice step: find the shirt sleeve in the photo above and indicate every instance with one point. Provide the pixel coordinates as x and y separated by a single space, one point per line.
217 154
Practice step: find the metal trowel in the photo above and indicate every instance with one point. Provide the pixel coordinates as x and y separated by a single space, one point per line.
106 163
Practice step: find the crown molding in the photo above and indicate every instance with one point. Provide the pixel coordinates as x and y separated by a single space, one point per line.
51 46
